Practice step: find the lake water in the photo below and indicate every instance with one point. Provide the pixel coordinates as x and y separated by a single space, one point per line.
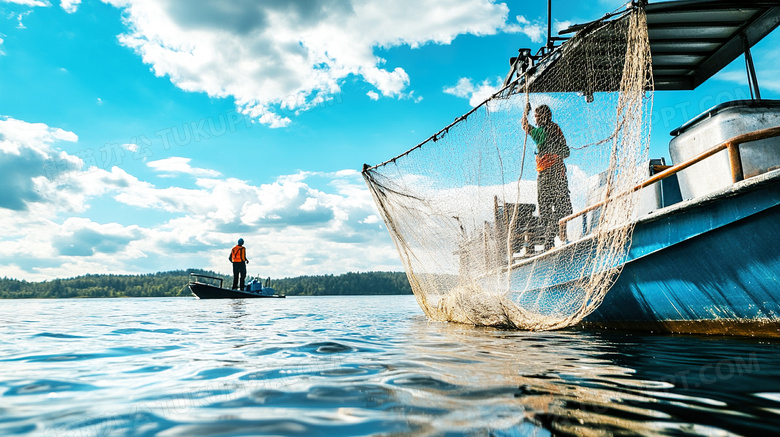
363 365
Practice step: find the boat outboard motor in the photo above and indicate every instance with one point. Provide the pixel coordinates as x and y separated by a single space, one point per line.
255 286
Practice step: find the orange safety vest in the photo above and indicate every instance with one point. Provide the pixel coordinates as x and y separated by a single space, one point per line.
238 254
547 160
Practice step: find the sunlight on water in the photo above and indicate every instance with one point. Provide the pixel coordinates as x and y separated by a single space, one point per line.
360 365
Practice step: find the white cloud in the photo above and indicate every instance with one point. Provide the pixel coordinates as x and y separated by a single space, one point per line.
767 78
19 17
16 135
475 93
372 95
82 237
70 6
304 223
464 88
772 82
764 54
536 30
57 183
561 25
290 227
278 58
174 165
370 219
31 3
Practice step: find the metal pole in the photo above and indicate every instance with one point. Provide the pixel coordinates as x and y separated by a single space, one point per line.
549 24
751 71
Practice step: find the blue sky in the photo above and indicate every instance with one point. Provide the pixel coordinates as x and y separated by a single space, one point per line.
140 136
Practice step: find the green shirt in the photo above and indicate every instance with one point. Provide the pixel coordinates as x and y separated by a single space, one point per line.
539 136
555 144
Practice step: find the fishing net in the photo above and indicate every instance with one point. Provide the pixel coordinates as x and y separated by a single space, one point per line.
513 223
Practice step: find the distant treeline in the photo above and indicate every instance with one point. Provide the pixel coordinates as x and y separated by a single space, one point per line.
173 283
348 283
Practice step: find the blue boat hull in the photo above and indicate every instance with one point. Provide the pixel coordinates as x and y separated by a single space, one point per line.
708 266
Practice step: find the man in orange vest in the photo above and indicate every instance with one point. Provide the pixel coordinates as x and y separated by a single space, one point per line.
238 258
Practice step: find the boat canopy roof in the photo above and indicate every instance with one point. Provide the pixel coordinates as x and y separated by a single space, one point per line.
691 40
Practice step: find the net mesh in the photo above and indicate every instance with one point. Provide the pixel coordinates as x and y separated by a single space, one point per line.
519 218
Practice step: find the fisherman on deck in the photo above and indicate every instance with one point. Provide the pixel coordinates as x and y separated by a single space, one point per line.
552 185
238 258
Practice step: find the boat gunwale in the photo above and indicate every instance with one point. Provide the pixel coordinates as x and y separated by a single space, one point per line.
750 184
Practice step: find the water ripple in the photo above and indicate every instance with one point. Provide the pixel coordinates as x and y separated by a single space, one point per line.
57 335
44 386
360 366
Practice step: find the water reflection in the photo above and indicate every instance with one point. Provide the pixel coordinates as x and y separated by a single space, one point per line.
581 383
239 308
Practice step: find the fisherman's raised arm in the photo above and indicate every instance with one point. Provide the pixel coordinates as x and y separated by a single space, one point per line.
524 121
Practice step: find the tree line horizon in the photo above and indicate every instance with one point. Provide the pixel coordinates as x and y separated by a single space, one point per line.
173 284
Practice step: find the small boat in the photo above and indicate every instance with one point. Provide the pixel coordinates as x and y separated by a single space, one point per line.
200 288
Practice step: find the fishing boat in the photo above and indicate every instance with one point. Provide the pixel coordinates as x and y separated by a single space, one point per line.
702 254
706 258
205 287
